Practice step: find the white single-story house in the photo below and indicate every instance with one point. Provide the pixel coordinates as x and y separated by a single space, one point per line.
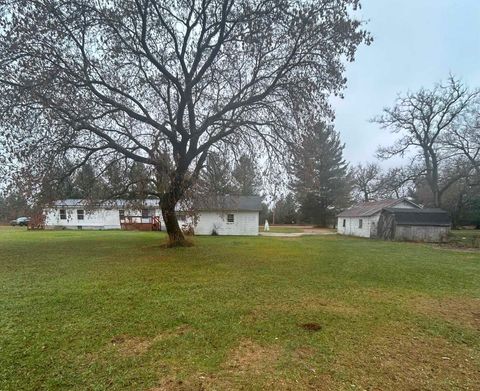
221 215
83 214
362 219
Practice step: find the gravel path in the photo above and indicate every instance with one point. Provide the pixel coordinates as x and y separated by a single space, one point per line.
306 232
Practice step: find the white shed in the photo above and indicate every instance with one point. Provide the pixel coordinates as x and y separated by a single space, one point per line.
362 219
227 215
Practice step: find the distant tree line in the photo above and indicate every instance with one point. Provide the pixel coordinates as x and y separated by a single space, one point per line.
224 175
438 130
220 176
12 206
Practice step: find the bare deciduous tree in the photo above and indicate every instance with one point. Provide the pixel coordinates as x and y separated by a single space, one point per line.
371 183
366 181
160 82
422 118
463 137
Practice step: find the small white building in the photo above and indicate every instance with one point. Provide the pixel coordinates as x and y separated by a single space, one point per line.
220 215
362 219
228 215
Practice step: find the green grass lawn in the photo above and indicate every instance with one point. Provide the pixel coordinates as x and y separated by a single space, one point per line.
465 238
117 311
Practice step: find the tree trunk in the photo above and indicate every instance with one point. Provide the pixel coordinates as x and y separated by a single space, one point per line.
434 178
176 238
366 197
436 198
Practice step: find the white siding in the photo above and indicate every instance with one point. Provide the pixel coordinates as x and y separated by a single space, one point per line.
369 226
93 219
352 225
245 223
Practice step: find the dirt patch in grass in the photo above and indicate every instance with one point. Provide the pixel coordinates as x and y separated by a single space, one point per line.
134 346
130 346
176 332
460 310
251 357
248 363
192 384
223 382
398 361
251 366
304 353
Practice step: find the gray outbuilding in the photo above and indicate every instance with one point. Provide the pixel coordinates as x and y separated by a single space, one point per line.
419 225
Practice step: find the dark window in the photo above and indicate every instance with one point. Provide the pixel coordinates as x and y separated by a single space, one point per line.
80 214
121 214
63 214
360 223
344 223
145 214
230 218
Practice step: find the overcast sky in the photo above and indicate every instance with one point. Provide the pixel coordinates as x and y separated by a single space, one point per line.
416 43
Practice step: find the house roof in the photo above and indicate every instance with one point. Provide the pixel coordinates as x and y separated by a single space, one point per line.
229 202
366 209
119 203
214 202
429 217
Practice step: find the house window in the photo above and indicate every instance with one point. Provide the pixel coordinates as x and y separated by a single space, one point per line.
121 214
80 214
63 214
230 218
344 223
360 223
145 214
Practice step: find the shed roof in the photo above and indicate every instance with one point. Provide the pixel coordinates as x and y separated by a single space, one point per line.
229 202
425 217
366 209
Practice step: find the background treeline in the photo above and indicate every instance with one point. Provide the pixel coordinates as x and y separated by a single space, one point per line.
437 133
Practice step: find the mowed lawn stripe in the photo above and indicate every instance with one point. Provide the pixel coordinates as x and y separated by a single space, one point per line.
115 310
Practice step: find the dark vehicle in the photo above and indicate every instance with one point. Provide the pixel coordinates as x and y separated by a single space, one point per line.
20 221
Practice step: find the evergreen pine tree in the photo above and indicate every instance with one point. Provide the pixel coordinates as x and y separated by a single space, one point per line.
246 177
216 177
321 184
